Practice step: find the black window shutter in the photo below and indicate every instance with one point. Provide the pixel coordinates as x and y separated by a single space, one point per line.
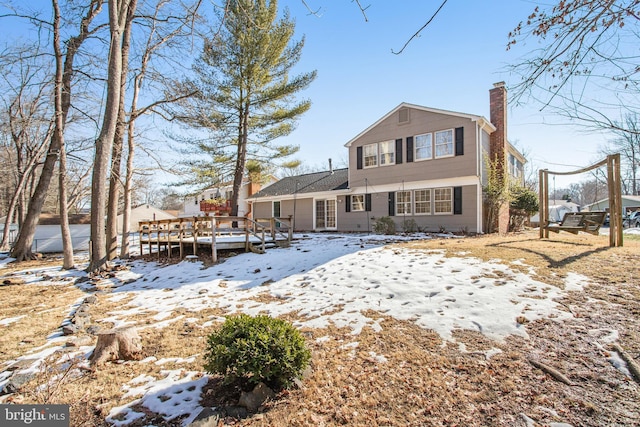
459 141
398 151
457 200
409 149
367 202
392 203
359 157
347 203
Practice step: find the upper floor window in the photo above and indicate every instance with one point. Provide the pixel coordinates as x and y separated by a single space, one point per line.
403 203
424 147
444 143
370 152
422 201
387 153
357 203
443 200
516 168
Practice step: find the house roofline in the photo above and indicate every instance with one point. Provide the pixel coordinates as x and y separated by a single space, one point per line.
480 119
292 196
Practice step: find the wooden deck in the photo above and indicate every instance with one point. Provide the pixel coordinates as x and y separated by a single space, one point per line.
192 234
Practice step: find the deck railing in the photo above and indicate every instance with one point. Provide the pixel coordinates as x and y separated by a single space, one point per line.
179 232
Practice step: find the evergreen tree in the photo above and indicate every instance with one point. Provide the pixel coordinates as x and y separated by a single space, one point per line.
245 93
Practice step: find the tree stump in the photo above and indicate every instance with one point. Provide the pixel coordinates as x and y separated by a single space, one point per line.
117 344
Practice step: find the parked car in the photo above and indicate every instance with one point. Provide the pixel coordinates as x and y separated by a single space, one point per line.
632 220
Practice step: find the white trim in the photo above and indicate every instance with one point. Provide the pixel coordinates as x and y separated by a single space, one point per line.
395 204
364 208
393 151
435 201
415 211
335 199
435 144
415 147
364 156
483 121
273 210
419 185
479 210
301 196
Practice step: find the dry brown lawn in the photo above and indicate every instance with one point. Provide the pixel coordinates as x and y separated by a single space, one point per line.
424 380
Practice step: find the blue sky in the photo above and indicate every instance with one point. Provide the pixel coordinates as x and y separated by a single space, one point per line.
451 66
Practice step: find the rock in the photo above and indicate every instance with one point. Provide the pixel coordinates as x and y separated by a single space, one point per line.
16 382
211 417
91 299
203 291
69 329
238 412
117 344
13 281
208 417
254 399
81 322
93 329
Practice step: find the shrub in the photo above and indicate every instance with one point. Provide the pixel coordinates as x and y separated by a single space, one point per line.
257 349
410 226
384 225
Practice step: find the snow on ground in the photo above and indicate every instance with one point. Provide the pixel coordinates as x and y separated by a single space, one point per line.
335 278
329 279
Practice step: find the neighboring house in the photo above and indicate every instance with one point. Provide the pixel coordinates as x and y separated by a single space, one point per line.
557 209
143 213
415 163
217 200
629 204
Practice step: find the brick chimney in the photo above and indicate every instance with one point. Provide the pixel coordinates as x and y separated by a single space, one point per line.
498 144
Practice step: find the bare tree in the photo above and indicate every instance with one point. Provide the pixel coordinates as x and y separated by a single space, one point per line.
118 11
118 142
627 143
22 247
584 49
29 129
165 30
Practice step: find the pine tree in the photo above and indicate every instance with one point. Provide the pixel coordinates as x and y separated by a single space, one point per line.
245 91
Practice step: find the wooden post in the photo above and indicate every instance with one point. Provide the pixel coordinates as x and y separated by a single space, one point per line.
214 251
618 189
272 224
615 200
613 210
246 234
290 235
541 207
195 235
180 233
139 237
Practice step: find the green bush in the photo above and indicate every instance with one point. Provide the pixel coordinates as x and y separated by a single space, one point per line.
384 225
257 349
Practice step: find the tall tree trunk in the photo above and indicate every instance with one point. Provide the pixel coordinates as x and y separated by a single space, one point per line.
58 132
118 10
241 158
116 155
22 249
18 196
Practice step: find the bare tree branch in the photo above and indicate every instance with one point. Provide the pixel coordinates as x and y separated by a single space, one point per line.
417 33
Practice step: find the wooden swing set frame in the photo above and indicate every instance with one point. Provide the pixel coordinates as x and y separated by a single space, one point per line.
614 185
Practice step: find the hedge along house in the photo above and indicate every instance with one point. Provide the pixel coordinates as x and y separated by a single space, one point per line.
420 166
